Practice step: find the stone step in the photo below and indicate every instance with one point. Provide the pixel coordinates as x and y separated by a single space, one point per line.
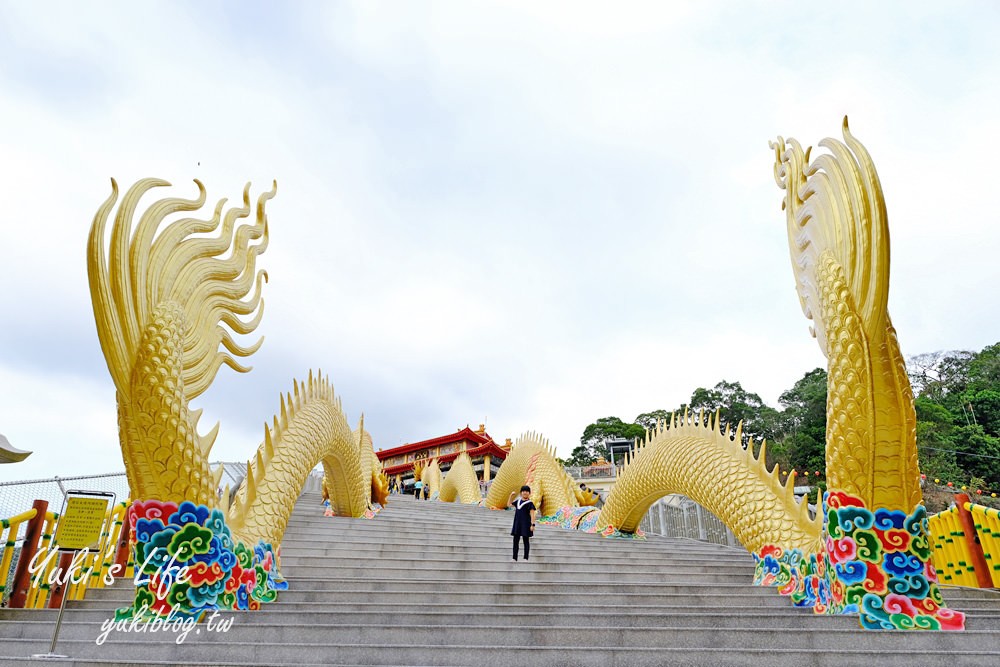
373 586
218 654
827 638
39 623
438 551
539 564
402 544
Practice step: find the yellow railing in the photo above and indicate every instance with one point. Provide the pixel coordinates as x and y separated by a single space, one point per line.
987 522
11 526
952 558
99 561
966 544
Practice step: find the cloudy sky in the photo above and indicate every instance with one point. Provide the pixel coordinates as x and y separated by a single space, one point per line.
535 214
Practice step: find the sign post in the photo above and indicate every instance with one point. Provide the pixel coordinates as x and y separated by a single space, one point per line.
80 523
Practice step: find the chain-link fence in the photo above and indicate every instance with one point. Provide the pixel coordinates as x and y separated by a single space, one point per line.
16 497
679 516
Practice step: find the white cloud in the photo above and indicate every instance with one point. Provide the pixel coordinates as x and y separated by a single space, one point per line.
542 213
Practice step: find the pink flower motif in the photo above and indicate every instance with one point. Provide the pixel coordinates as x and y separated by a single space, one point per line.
950 619
842 550
150 509
900 604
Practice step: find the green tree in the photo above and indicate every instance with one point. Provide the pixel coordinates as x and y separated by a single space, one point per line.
648 420
935 440
581 456
735 404
978 453
597 435
802 424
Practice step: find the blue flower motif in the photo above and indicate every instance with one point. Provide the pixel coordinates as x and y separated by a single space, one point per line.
242 598
156 550
206 594
261 550
852 572
227 560
217 523
886 519
771 565
873 614
146 528
188 512
214 552
916 523
913 586
898 563
853 518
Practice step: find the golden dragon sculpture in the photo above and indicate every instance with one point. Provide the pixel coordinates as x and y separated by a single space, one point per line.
694 457
161 292
867 550
461 483
532 461
430 475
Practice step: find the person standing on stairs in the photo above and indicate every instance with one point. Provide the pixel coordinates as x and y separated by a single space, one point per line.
524 518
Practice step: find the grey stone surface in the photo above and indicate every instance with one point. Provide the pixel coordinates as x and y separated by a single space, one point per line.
427 583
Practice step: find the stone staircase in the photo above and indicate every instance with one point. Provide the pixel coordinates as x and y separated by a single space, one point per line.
428 583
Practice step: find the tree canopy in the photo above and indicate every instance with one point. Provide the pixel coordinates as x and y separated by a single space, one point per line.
957 401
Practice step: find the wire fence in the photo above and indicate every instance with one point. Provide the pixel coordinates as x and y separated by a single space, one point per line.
16 497
679 516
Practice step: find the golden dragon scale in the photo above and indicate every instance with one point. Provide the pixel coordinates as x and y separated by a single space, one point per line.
431 477
697 459
461 483
532 462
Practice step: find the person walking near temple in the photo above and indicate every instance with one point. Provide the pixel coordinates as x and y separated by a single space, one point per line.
524 518
418 490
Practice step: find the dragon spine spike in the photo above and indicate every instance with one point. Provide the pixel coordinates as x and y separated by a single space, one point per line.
251 490
260 464
208 440
217 475
291 405
739 433
224 500
276 428
284 412
268 443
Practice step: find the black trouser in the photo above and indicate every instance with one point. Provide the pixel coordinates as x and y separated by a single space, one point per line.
520 537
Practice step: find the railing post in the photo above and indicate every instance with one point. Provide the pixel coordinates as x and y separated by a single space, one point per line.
22 577
979 564
702 535
59 589
122 552
663 521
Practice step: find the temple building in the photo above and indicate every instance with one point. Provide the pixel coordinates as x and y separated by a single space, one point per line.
486 455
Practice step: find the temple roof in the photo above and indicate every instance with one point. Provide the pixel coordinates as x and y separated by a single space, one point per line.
462 434
9 453
490 448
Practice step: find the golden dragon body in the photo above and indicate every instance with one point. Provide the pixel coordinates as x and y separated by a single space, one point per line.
160 293
866 551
